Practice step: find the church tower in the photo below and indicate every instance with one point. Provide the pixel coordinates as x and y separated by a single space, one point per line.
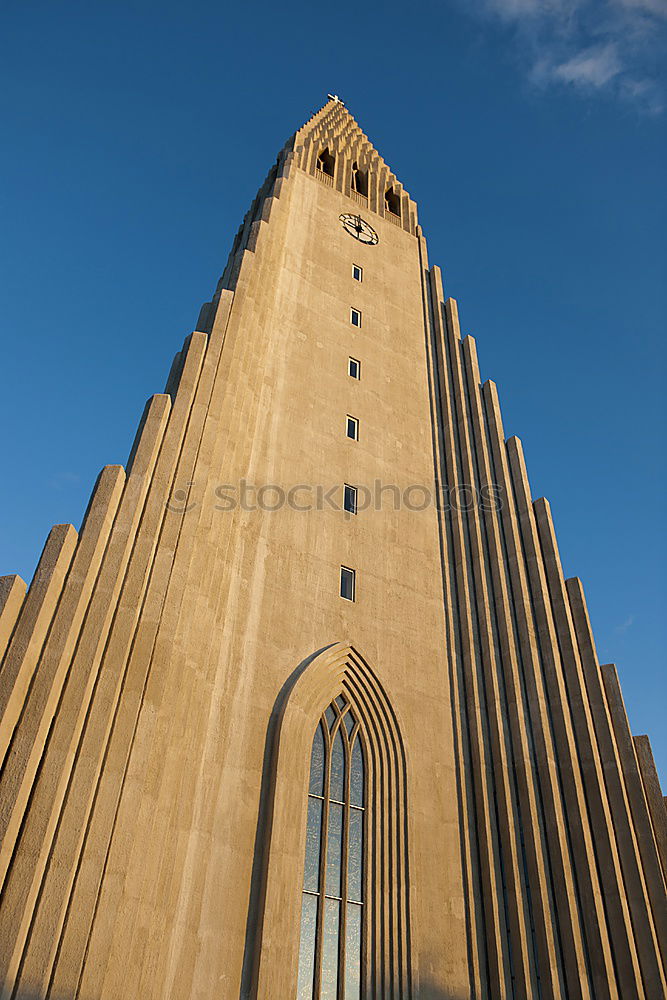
306 710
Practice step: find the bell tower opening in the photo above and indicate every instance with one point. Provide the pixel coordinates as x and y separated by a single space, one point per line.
359 180
326 162
392 202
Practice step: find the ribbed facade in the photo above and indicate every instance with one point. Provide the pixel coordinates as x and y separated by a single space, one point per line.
163 674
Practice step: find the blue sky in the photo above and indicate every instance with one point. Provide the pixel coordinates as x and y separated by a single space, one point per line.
533 137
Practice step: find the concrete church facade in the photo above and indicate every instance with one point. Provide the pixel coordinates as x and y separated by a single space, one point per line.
306 708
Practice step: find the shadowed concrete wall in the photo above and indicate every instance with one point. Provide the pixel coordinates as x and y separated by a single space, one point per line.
153 789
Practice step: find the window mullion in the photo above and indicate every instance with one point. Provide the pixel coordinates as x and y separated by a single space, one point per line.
344 862
319 931
334 913
367 876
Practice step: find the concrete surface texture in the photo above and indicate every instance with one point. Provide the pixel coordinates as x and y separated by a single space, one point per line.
164 673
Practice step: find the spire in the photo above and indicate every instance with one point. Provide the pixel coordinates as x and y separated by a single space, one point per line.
332 146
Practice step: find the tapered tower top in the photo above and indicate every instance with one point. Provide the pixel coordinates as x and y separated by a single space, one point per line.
332 146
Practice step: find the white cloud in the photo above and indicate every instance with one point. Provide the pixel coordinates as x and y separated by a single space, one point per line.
657 7
587 45
593 67
628 623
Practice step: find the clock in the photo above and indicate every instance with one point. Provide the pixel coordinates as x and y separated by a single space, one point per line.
359 228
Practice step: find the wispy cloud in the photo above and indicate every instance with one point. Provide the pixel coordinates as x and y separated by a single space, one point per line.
624 626
657 7
591 68
588 46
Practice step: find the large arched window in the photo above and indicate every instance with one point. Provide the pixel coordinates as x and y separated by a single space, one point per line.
344 932
330 953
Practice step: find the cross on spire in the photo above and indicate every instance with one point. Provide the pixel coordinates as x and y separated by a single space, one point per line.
336 98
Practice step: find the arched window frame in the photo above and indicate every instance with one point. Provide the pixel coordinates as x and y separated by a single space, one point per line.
274 911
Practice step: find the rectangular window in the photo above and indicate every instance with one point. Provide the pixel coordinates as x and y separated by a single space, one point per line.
347 583
354 368
357 272
355 317
352 425
350 499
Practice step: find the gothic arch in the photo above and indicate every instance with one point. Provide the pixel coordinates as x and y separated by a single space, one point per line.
273 941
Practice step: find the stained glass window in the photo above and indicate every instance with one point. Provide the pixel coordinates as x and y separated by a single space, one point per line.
330 954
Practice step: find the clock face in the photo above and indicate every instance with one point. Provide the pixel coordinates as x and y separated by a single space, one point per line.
359 228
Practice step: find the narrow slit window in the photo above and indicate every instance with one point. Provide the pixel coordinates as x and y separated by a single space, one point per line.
352 427
354 368
357 272
355 317
348 583
350 499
